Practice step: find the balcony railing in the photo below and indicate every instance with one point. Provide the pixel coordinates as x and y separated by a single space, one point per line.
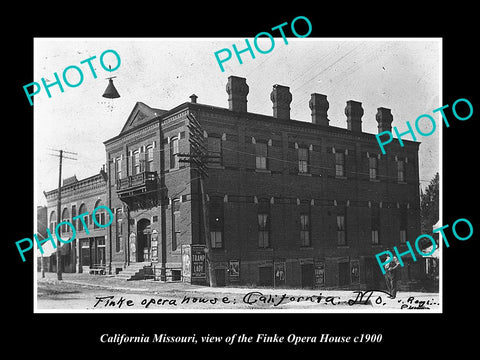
147 179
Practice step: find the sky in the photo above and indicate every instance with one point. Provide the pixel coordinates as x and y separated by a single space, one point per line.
401 74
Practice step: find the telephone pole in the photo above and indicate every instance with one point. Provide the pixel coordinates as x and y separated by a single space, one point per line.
199 158
59 203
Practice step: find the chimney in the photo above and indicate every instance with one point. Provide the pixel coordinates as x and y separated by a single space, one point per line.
281 98
384 118
354 112
319 105
193 98
237 90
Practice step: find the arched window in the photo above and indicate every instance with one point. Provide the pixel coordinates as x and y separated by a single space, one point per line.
79 226
53 221
149 165
99 214
136 166
65 217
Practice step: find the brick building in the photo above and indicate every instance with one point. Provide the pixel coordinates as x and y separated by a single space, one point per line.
290 203
88 249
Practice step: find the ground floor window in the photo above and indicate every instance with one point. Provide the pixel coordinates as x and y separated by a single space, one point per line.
92 251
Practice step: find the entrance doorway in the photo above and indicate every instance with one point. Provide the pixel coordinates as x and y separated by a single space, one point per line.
343 273
265 275
308 272
143 240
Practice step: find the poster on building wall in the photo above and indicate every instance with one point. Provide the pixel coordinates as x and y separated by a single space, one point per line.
319 274
280 272
355 271
198 260
234 270
186 262
154 246
133 247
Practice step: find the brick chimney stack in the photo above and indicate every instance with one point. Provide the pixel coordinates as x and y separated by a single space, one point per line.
281 98
319 105
384 118
354 112
237 90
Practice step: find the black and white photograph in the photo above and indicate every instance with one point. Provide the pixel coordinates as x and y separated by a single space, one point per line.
224 182
259 188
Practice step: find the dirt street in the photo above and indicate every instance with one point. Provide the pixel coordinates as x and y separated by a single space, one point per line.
84 292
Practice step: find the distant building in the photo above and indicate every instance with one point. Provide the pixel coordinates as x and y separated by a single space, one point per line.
89 246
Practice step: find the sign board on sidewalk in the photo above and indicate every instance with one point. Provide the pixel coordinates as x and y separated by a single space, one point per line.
198 259
186 263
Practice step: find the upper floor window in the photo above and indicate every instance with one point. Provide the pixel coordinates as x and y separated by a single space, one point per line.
401 170
373 167
215 150
65 217
173 153
261 154
341 236
302 160
339 164
305 230
53 221
118 168
263 231
99 215
149 165
81 210
136 166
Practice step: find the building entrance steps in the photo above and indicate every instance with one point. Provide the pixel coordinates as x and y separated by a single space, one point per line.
134 271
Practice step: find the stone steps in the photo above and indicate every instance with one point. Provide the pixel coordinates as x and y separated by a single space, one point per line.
134 271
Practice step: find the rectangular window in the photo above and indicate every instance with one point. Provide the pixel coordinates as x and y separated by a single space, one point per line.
373 167
305 230
118 230
216 239
341 237
215 150
216 223
339 164
375 225
118 168
303 160
261 154
173 153
403 226
175 223
263 231
401 170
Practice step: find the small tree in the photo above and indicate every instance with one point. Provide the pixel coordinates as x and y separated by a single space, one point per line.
429 206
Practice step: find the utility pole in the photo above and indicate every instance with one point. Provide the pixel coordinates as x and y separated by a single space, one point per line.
59 203
199 158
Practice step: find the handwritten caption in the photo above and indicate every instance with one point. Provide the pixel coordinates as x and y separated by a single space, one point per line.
256 299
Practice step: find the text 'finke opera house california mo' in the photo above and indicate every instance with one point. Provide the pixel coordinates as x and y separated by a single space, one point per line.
287 203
